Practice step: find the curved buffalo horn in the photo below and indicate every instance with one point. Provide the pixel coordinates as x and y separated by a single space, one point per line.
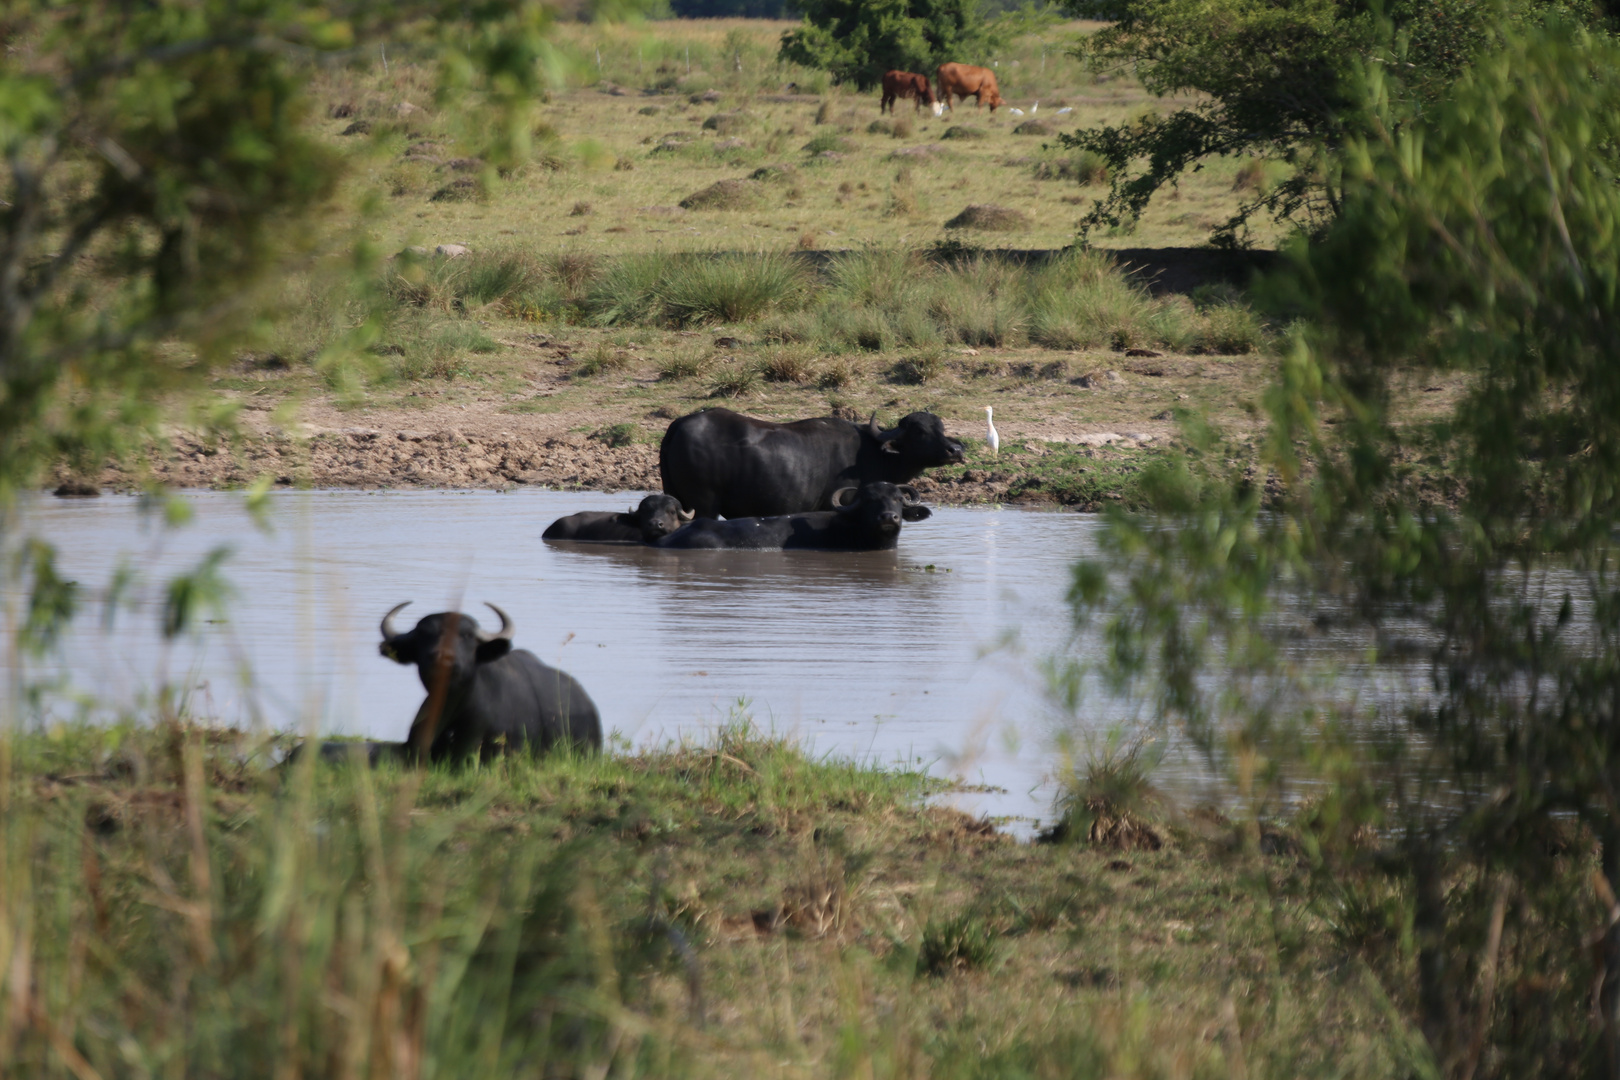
910 493
838 500
388 631
686 515
871 426
506 631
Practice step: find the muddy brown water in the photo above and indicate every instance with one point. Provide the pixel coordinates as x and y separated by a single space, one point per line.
926 655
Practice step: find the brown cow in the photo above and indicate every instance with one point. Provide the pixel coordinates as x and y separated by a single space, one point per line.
965 79
903 84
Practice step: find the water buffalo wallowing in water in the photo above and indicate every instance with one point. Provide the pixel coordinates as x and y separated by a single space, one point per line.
484 697
866 519
721 464
658 515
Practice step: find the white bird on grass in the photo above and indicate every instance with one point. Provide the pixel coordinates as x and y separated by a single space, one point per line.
1065 109
991 437
1015 112
1035 108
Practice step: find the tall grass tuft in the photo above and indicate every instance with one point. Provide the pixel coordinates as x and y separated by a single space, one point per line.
787 365
730 288
735 381
1082 301
963 942
1107 801
179 904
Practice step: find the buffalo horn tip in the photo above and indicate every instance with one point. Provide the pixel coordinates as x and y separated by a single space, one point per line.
507 629
388 631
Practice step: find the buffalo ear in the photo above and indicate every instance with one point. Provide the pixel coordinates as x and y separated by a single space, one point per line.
398 650
889 446
915 512
493 649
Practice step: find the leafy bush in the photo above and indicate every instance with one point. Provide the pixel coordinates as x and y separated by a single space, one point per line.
858 42
1464 835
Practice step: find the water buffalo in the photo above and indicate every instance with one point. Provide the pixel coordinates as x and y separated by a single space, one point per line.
866 519
658 515
904 84
964 80
485 697
720 463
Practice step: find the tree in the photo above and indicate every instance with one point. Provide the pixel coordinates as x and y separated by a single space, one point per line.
1271 80
858 40
1465 836
158 166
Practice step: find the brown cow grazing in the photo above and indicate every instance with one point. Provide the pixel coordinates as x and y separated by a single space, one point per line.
965 79
903 84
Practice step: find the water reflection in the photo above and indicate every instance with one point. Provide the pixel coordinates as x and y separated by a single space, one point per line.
870 654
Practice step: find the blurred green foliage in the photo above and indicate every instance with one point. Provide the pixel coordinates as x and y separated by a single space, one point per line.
858 40
1462 818
158 167
1276 81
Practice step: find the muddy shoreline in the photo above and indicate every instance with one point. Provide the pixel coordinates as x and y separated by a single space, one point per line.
374 458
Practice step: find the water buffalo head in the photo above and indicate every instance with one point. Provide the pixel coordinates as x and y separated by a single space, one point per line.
659 515
919 439
446 648
880 507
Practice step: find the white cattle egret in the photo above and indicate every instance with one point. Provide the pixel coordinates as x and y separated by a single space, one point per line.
1065 109
1035 108
1016 112
990 436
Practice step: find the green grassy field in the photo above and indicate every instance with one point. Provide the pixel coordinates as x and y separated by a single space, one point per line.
724 909
809 271
620 146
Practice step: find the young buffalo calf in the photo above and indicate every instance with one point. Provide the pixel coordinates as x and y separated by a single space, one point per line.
866 519
657 516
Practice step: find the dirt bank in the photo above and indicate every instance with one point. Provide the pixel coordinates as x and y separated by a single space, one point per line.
449 457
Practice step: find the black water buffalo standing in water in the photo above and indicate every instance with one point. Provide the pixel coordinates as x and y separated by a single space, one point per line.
866 519
484 697
658 515
721 464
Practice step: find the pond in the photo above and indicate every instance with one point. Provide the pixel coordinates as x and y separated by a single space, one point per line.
925 655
